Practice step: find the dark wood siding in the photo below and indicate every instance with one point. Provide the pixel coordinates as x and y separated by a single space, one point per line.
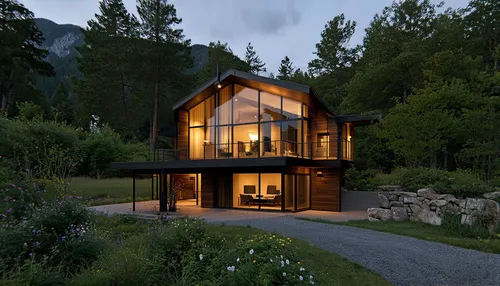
182 134
188 185
207 190
334 139
325 191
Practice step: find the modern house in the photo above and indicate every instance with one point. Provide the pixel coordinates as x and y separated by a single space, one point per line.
251 142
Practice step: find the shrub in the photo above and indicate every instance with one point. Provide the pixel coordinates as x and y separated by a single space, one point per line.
360 180
460 183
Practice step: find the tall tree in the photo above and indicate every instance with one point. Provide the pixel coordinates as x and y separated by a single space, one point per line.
220 54
20 56
333 51
108 61
251 58
169 54
286 69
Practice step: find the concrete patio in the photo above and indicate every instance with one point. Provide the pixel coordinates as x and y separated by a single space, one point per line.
189 208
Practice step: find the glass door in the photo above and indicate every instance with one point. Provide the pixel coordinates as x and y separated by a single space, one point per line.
289 192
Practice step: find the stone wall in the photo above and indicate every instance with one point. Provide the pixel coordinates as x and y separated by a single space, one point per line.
427 206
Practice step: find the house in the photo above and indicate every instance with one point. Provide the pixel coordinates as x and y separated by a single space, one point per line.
251 142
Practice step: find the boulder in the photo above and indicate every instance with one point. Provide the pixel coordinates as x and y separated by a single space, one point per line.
467 219
439 203
446 197
380 214
373 219
397 204
404 194
389 188
492 196
429 217
399 213
411 200
383 201
475 204
452 209
491 215
393 197
426 193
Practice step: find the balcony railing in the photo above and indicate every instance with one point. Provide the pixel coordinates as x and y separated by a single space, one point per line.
254 149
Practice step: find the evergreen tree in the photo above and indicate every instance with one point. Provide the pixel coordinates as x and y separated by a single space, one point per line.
332 51
251 58
286 69
109 62
63 103
168 55
20 56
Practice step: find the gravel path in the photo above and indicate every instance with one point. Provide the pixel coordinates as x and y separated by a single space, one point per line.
399 259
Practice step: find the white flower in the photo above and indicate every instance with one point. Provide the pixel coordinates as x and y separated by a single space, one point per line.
251 251
271 260
310 277
282 263
284 274
287 262
201 257
311 282
281 256
238 260
301 278
302 269
231 268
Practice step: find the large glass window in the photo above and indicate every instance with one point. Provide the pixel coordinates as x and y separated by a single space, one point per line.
210 111
224 146
270 107
291 109
246 139
246 190
246 108
270 139
224 106
196 142
291 137
270 191
209 142
196 115
289 192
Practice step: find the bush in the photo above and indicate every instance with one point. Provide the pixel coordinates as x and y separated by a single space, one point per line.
360 180
460 183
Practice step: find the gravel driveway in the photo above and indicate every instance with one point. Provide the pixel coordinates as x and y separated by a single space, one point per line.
399 259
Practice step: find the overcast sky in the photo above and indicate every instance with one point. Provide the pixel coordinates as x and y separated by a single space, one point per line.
276 28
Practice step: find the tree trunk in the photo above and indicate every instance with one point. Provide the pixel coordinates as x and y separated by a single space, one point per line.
156 99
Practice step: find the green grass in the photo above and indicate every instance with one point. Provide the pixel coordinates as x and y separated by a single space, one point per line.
329 268
424 231
106 191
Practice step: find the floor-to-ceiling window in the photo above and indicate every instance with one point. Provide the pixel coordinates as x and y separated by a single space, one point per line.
241 122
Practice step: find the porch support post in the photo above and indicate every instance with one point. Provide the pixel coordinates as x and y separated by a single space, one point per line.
163 203
133 191
152 185
157 183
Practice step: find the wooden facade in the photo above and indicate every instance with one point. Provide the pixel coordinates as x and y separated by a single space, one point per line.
208 190
325 189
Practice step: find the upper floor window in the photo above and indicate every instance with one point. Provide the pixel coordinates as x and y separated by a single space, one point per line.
270 107
246 105
197 115
224 106
291 109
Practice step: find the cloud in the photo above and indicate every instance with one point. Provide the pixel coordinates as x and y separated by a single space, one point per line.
269 19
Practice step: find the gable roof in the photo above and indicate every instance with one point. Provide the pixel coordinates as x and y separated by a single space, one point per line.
211 85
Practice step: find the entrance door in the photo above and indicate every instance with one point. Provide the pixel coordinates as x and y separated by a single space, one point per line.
297 192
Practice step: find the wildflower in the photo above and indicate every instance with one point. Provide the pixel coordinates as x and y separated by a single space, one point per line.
284 274
37 244
310 277
271 260
238 260
31 254
12 185
301 278
231 268
298 262
9 210
302 269
25 244
201 257
282 263
254 261
287 262
281 256
311 282
251 251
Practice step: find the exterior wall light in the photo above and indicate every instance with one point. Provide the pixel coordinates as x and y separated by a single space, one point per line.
319 174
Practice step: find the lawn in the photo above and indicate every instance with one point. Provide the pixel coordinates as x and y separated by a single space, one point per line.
426 232
106 191
330 269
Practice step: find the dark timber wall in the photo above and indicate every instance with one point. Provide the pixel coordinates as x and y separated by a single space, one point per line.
325 191
182 133
207 190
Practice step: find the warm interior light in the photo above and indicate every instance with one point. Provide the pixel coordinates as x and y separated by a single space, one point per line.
206 141
219 85
348 138
253 136
319 174
235 99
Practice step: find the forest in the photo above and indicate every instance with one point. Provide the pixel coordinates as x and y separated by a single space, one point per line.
432 72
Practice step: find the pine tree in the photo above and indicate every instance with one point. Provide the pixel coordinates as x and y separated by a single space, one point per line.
63 103
286 69
20 56
109 62
169 54
251 58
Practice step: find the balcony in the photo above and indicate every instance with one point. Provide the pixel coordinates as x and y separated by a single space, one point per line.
255 149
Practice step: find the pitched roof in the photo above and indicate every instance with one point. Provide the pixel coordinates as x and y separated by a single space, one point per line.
255 78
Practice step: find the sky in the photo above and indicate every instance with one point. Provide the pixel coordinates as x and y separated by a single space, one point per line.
276 28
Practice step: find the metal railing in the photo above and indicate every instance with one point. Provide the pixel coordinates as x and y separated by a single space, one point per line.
254 149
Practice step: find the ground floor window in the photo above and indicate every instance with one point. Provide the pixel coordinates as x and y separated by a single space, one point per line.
272 191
